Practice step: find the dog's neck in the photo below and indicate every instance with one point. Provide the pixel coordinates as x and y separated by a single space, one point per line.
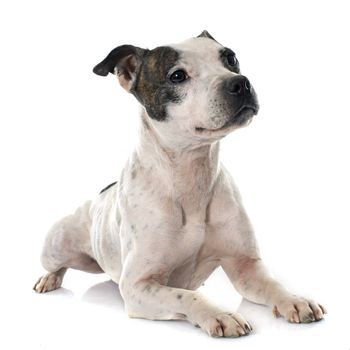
189 168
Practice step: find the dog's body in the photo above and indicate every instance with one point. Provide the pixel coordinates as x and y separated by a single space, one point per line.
175 214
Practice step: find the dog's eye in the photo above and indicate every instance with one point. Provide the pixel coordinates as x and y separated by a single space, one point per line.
231 59
178 76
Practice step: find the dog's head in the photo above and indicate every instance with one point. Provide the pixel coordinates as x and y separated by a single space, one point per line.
193 92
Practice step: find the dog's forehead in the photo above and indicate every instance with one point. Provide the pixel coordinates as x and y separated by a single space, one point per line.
204 49
194 51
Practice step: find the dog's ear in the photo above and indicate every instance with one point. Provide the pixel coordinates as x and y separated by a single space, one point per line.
124 61
205 34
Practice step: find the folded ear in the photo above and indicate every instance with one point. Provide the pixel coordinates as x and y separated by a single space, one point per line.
125 62
205 34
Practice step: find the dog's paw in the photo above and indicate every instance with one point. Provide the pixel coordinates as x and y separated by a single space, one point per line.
299 310
225 324
49 282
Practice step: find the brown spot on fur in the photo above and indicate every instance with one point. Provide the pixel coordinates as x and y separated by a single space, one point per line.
183 216
276 312
147 288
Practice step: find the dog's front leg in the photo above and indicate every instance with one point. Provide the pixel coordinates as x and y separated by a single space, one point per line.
233 236
252 280
147 298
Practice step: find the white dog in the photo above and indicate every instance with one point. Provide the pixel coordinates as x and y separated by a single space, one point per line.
175 214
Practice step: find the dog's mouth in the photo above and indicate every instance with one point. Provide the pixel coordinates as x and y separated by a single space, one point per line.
241 118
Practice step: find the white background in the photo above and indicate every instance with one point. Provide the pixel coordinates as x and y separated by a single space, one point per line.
65 134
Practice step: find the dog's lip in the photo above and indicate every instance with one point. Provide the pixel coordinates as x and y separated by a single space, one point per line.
244 108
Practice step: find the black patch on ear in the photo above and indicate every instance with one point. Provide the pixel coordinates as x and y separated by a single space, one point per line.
205 34
109 186
117 58
152 87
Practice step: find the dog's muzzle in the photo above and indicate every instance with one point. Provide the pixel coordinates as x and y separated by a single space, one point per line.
238 86
242 99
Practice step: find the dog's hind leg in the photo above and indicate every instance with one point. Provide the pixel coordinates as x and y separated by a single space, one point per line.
50 281
67 245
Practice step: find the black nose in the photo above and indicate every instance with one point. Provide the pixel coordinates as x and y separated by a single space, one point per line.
238 86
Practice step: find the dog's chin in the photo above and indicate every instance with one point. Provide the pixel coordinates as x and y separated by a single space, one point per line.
241 118
244 116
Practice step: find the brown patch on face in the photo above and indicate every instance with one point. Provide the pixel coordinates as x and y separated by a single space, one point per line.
152 87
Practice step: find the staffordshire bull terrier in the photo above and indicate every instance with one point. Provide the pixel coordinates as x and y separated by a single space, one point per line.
175 214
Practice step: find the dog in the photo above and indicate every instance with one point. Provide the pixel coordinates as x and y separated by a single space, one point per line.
175 214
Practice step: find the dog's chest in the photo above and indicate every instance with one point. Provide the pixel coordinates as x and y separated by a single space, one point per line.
196 258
